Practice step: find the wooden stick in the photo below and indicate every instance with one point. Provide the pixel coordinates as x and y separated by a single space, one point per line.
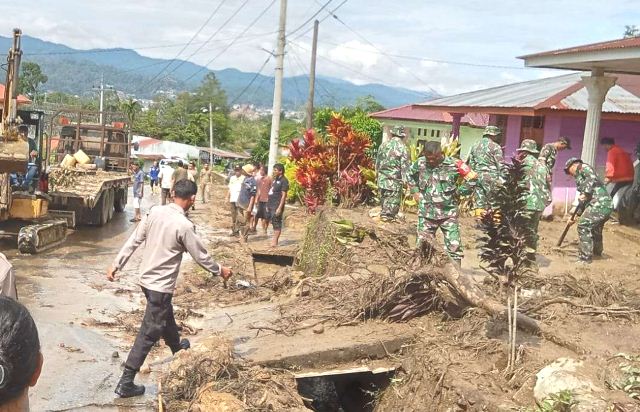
510 328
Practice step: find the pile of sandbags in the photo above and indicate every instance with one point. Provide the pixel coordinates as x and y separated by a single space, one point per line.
79 160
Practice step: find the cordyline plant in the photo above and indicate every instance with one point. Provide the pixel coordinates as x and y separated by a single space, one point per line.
336 162
503 247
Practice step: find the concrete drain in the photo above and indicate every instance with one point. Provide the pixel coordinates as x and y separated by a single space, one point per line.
347 390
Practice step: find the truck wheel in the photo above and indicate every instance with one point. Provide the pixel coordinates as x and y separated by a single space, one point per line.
104 208
110 204
120 201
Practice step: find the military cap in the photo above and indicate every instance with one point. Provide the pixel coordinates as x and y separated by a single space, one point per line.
570 163
492 131
566 141
431 147
528 145
398 131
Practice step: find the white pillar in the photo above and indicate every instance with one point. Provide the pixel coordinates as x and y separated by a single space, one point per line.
597 86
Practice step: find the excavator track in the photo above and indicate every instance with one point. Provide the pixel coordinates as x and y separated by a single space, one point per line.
36 238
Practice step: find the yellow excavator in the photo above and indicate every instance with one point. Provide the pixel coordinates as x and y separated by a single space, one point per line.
19 207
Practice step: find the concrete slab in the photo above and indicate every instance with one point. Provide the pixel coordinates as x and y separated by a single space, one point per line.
372 340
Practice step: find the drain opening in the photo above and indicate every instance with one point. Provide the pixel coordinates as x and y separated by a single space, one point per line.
279 260
354 390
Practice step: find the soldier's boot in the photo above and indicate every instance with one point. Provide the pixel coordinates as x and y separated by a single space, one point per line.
126 388
183 345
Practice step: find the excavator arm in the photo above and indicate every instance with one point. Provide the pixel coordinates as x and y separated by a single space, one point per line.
14 148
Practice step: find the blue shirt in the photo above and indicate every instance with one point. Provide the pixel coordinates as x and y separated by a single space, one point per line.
154 172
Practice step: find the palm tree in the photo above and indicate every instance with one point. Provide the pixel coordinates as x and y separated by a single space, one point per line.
130 108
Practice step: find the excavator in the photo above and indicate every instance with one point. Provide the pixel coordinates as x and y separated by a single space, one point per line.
20 208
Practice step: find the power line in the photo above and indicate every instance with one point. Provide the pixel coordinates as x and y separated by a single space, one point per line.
188 43
234 40
330 13
125 50
426 59
304 68
209 39
310 18
235 99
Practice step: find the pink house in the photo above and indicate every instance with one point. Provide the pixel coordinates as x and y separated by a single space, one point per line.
546 109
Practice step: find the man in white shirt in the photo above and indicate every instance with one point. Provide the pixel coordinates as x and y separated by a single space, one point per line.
7 279
166 182
237 213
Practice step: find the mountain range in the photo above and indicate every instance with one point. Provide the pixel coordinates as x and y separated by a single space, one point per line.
78 71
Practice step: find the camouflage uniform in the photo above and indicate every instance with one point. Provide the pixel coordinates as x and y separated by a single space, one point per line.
392 164
485 158
438 206
537 195
597 210
548 156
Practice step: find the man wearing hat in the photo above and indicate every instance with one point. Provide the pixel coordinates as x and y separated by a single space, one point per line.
392 164
486 158
537 195
433 182
594 208
246 200
550 151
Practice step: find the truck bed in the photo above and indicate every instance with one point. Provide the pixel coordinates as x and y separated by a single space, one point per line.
84 184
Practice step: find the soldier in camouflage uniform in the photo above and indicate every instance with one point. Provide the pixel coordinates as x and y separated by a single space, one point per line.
485 158
537 195
392 164
433 181
548 156
594 208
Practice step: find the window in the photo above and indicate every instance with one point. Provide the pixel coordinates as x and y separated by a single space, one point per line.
532 127
437 133
433 132
419 131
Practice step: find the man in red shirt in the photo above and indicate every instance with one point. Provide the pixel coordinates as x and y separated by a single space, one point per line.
619 171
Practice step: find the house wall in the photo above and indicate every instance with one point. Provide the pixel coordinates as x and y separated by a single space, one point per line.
626 134
468 135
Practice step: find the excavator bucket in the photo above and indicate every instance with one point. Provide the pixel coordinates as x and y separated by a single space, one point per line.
13 155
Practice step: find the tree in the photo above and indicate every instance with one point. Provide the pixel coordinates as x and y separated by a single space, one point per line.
30 79
368 104
130 108
358 118
631 31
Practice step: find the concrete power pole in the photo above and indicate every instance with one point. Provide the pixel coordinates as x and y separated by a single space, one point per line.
101 98
277 92
312 75
210 134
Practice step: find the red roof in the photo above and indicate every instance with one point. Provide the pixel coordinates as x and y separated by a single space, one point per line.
148 141
605 45
21 99
421 114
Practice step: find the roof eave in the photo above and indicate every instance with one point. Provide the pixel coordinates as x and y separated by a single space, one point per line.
586 59
523 111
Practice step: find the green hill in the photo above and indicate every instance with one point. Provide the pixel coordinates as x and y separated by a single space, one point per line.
78 71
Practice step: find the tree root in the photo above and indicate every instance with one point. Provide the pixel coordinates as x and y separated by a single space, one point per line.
613 311
466 289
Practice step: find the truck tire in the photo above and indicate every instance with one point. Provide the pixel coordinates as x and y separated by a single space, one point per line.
99 215
120 201
110 204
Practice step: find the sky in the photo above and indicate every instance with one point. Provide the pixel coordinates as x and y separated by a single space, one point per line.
444 46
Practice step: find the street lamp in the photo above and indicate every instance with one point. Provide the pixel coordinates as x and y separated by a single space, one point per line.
210 110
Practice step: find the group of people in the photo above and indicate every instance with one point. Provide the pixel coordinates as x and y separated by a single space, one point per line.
255 196
437 182
165 178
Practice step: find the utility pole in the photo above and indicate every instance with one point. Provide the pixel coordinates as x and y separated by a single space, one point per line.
312 75
210 135
277 91
102 88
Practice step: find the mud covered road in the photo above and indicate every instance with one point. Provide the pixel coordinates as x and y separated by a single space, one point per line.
64 288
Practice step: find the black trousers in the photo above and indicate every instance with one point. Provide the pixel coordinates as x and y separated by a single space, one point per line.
617 186
158 322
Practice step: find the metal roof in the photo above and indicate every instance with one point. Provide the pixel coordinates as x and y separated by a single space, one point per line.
605 45
418 113
556 93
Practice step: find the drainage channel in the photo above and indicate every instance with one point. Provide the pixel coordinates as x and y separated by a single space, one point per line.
343 390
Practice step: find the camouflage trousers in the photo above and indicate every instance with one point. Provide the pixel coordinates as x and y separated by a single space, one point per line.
390 202
528 223
485 190
427 229
590 226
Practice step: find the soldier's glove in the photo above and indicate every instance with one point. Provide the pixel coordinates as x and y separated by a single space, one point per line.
465 171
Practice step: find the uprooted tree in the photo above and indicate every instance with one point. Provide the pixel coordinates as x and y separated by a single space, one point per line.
332 166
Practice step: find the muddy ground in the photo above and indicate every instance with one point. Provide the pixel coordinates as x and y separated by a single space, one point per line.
87 324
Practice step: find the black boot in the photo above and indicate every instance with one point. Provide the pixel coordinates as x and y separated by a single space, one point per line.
126 388
183 345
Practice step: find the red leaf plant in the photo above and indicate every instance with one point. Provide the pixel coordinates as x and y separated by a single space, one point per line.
334 162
